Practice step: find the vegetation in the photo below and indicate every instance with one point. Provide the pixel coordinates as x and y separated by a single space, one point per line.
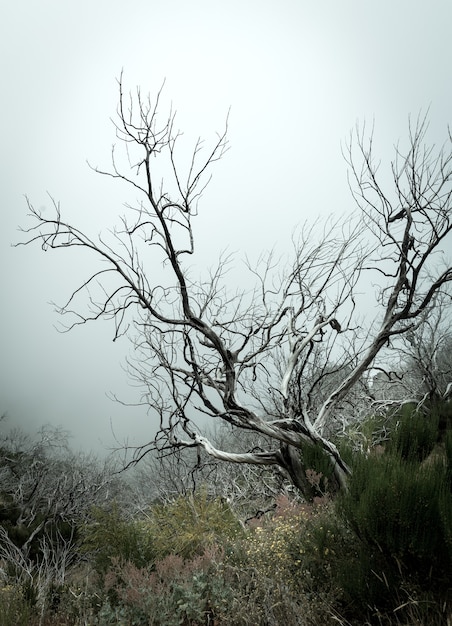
399 506
380 553
343 513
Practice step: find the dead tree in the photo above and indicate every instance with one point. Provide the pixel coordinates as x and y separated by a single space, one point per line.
207 352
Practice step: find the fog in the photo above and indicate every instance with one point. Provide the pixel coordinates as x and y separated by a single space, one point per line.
297 76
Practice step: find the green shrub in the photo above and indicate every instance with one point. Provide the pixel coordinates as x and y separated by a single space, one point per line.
448 457
395 506
414 435
319 470
109 536
183 527
399 505
189 525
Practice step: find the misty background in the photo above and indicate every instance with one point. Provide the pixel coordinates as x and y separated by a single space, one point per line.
297 77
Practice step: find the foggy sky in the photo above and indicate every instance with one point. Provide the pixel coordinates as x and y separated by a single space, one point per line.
297 75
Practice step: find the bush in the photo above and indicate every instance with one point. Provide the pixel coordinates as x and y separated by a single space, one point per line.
175 591
189 525
399 504
293 555
414 435
319 472
395 507
206 589
109 536
14 609
141 550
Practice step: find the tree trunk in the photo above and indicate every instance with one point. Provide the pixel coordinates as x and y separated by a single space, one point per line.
291 460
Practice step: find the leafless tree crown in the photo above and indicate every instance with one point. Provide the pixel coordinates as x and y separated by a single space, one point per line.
281 359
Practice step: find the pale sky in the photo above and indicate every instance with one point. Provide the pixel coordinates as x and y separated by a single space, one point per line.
297 75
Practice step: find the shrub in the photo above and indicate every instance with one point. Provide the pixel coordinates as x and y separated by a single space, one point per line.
319 470
258 600
109 536
395 507
189 525
414 435
14 609
399 504
133 557
293 555
176 591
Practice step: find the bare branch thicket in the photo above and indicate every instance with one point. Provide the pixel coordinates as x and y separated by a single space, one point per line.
205 352
45 488
427 353
423 368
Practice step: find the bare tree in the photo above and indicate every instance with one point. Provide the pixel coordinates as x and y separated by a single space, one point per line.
205 352
420 369
427 354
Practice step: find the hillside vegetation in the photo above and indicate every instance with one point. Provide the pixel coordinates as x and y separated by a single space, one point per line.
381 553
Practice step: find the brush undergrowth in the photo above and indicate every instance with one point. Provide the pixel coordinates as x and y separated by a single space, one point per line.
379 554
